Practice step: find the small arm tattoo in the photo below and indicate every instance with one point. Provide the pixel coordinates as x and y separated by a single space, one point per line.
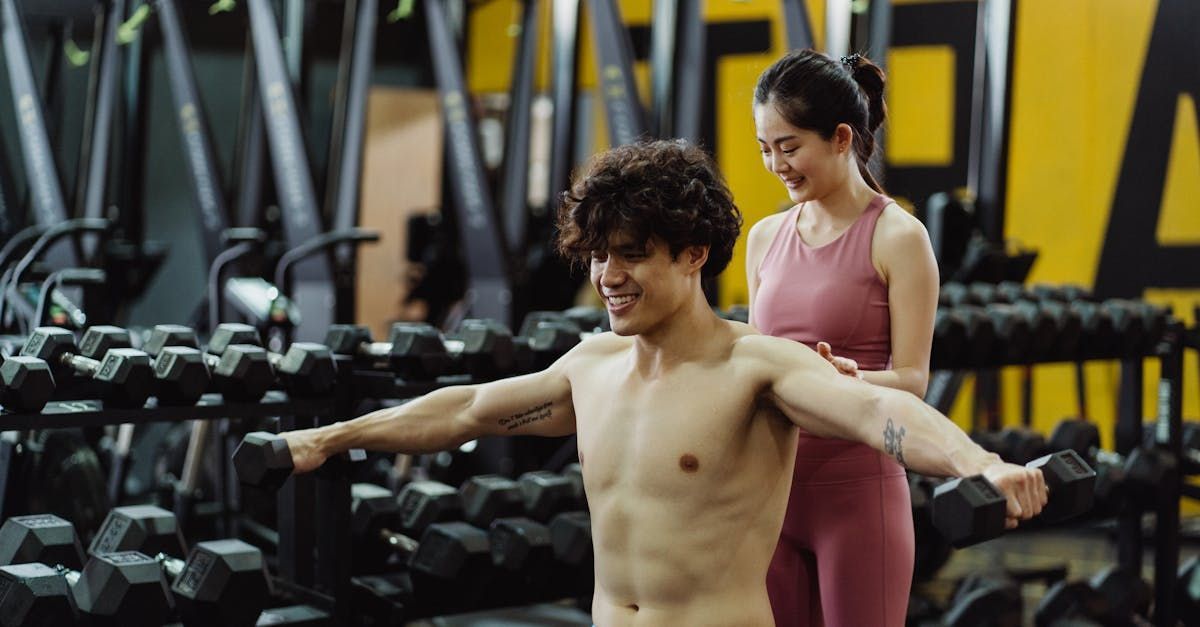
533 414
892 439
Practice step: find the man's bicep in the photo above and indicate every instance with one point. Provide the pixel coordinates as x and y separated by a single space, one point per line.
532 404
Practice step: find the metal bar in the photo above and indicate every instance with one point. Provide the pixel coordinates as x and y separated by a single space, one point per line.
991 113
799 27
1169 435
689 72
837 27
296 507
94 168
879 20
194 131
252 152
489 291
565 59
45 188
133 154
514 183
312 287
333 563
12 218
664 30
345 210
1128 436
626 119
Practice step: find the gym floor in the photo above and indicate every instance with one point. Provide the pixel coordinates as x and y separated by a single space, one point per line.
1084 550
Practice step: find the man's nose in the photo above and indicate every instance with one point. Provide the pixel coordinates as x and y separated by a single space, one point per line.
612 274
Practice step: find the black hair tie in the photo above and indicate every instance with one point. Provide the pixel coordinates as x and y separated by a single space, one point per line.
851 61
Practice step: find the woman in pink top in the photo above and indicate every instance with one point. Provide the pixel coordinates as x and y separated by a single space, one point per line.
848 267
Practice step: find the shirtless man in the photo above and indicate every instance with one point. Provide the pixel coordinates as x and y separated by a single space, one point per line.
686 422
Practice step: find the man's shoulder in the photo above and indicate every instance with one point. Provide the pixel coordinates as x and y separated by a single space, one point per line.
601 344
771 351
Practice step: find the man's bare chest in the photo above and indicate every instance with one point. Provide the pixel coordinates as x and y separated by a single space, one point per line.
656 435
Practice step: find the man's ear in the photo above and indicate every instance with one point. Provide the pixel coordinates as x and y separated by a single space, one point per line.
695 257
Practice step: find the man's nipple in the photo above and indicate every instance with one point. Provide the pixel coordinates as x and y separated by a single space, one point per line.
689 463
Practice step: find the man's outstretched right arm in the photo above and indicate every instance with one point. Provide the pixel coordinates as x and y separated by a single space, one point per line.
533 404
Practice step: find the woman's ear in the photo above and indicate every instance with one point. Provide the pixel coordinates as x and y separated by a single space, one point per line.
843 138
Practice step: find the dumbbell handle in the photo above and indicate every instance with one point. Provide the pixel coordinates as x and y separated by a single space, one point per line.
83 365
172 566
1106 457
399 541
72 576
374 349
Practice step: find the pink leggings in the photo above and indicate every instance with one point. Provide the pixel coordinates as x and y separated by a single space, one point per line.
845 557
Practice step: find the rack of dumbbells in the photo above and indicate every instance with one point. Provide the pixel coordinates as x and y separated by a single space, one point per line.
433 549
982 327
348 554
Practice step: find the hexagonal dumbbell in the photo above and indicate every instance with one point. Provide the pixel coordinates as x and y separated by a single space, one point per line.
305 371
423 503
223 582
571 538
126 375
547 493
483 348
42 538
181 376
543 339
451 567
240 372
488 497
970 510
414 349
145 528
378 515
125 588
262 460
36 595
26 384
524 549
1138 475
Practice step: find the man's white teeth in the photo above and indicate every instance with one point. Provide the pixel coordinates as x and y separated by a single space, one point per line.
621 300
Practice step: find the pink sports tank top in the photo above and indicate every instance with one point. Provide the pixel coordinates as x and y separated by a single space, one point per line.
829 293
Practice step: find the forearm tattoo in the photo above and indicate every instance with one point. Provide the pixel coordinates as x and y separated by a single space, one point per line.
892 439
531 415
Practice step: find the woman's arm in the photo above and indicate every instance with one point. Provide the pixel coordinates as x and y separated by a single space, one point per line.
904 257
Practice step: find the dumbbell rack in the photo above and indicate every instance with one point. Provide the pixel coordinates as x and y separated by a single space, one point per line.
313 509
1168 349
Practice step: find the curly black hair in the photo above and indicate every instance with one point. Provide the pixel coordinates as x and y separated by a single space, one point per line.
667 188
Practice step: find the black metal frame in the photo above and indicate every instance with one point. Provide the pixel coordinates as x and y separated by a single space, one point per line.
312 280
41 171
489 282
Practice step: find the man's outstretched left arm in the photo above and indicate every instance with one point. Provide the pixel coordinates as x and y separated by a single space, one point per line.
814 396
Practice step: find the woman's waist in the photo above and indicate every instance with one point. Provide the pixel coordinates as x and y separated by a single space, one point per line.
830 460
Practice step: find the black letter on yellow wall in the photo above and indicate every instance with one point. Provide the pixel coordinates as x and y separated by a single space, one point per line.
1132 259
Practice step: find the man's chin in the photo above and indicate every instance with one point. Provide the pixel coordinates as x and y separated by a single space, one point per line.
621 327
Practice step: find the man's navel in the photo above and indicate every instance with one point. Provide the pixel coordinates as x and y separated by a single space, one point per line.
689 463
